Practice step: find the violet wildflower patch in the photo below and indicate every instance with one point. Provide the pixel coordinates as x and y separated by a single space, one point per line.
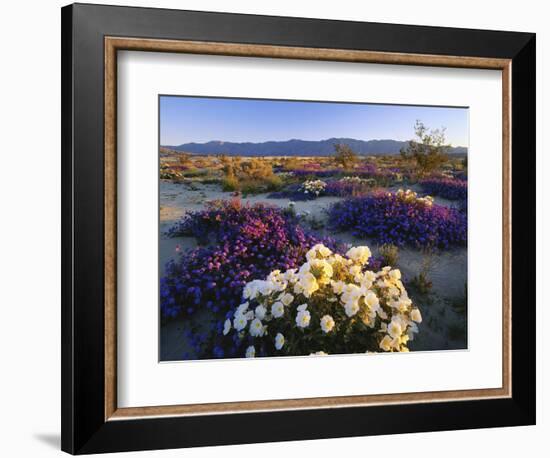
248 242
448 188
401 219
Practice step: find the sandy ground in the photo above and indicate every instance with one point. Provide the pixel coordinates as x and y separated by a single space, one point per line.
444 318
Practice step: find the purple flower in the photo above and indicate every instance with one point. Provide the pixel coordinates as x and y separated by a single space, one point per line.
448 188
386 218
248 242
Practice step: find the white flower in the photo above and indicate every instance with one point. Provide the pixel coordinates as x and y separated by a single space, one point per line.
226 327
322 270
416 316
260 312
395 274
250 352
355 270
327 323
360 254
286 298
301 308
241 309
318 250
395 329
351 308
277 309
303 318
251 289
328 281
371 300
307 284
337 286
385 343
267 287
256 328
240 322
279 341
318 353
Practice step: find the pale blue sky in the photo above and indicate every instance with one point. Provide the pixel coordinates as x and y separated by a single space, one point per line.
202 119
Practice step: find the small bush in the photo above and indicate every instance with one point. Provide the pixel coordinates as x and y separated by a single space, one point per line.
344 156
230 184
389 253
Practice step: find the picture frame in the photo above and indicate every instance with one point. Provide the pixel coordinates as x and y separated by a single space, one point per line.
92 35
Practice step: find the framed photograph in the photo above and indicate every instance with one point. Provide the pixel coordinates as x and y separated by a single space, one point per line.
270 222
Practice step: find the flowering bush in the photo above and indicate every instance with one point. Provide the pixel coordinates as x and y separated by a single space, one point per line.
448 188
401 218
331 304
313 187
349 186
315 173
248 242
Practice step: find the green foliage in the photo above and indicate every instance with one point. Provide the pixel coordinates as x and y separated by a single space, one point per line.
428 149
344 156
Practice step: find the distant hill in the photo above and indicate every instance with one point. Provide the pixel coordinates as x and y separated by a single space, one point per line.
298 147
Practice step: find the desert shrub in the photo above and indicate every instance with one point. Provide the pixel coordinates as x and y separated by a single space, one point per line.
251 176
428 149
422 281
448 188
344 156
290 163
401 218
247 242
255 186
331 304
195 173
170 173
389 253
230 183
184 159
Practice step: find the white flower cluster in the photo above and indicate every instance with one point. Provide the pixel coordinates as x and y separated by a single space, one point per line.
315 187
411 196
355 180
331 304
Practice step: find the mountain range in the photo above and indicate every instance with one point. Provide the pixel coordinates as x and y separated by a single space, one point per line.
299 147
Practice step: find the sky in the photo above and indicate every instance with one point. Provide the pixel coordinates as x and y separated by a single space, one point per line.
203 119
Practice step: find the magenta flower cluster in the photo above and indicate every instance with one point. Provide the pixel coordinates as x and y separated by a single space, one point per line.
247 242
448 188
386 218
